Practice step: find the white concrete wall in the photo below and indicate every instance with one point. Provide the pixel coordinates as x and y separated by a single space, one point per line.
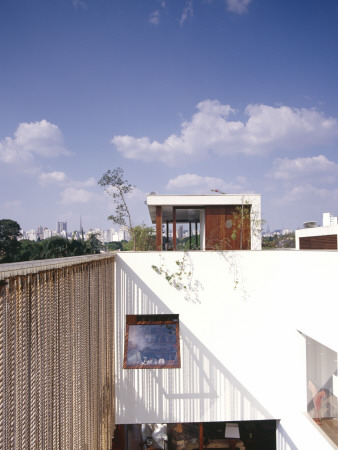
242 355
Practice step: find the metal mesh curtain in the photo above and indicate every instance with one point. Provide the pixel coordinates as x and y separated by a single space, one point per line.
56 357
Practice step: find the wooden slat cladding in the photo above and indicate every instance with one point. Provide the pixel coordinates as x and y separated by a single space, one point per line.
327 242
235 236
215 234
159 228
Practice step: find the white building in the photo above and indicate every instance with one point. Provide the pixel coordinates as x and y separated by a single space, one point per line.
257 343
31 235
208 338
47 233
121 235
316 238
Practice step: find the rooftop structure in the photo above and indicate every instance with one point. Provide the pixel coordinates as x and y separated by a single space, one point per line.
225 221
312 237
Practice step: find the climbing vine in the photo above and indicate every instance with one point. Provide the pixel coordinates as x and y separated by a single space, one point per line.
178 279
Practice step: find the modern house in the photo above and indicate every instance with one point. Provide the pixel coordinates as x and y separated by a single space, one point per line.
223 221
172 349
313 237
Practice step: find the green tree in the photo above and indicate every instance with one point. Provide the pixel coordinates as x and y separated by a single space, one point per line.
93 245
54 247
144 239
116 245
29 250
9 245
118 188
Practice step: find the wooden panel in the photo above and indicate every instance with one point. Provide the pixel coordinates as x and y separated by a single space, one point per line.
159 228
174 228
225 229
327 242
215 235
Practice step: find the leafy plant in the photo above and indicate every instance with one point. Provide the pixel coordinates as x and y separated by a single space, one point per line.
175 279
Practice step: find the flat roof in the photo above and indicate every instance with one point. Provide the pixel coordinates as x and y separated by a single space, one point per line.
191 203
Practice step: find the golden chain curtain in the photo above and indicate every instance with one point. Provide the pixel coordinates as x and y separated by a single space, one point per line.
56 356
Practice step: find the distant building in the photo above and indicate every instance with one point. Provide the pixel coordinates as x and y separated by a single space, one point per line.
97 232
284 232
40 232
47 233
312 237
31 235
62 228
122 234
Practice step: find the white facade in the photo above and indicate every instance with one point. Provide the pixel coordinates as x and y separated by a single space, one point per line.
47 233
31 235
330 227
243 356
329 220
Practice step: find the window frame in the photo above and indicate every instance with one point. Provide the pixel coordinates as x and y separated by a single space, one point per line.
152 319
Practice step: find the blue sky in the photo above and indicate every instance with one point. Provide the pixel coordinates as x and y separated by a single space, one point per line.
185 95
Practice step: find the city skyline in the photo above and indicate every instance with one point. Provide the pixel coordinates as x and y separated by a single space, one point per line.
186 96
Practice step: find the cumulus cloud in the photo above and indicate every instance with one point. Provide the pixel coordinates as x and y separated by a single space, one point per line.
188 12
52 178
60 178
72 195
211 130
317 197
238 6
289 169
32 139
192 183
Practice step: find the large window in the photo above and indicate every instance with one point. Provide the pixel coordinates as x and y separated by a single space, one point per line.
152 341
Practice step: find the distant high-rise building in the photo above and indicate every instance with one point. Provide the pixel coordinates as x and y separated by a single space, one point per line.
62 228
180 232
40 232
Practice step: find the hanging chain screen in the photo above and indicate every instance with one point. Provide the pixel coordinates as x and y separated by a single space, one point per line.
56 355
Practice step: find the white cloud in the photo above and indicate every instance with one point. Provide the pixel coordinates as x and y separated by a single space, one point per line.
317 197
238 6
210 131
31 139
192 183
72 195
188 12
88 183
154 17
288 169
52 178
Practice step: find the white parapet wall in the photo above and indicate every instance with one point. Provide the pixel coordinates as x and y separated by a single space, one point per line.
242 354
